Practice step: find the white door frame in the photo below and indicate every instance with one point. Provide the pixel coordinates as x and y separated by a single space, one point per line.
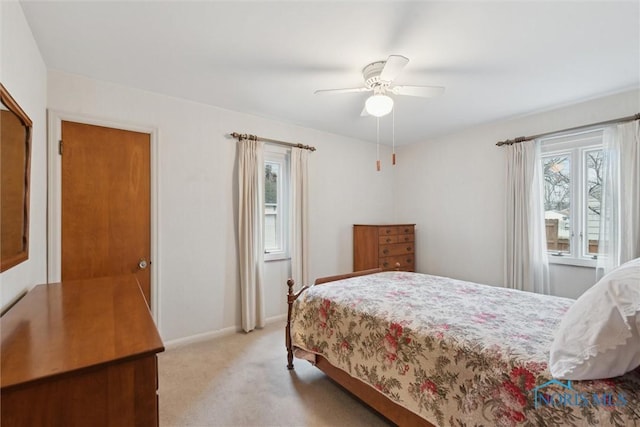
54 191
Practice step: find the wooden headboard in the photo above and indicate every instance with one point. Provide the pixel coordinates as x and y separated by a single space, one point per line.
321 280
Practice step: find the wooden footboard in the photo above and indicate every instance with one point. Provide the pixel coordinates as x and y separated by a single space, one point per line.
291 297
399 415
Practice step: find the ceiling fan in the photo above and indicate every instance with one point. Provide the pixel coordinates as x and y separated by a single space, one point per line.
378 78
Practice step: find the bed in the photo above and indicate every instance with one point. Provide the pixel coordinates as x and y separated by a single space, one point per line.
433 351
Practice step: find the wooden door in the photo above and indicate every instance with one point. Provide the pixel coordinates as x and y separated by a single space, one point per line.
105 203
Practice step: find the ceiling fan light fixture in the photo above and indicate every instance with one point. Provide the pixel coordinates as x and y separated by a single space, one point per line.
379 105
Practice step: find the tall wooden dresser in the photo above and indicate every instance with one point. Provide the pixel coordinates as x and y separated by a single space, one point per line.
80 353
384 246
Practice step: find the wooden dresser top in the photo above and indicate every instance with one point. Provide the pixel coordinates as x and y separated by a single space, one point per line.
380 225
64 327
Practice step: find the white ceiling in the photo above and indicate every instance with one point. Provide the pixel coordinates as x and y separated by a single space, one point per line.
496 59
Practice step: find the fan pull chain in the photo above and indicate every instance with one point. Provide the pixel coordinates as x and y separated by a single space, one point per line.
393 136
378 144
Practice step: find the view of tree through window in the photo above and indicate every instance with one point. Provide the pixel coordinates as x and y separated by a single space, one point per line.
593 198
568 225
557 202
271 231
271 183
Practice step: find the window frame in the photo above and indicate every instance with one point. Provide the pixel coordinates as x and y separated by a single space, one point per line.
576 145
281 156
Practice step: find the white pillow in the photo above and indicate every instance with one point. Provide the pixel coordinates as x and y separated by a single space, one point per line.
598 336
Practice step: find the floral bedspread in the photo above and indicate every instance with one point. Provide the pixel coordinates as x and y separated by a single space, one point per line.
456 353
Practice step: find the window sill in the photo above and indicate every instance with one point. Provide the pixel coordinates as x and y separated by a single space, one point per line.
276 257
578 262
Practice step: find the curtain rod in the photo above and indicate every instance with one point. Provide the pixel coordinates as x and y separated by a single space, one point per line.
529 138
241 136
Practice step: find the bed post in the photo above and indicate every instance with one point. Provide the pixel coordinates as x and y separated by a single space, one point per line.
291 297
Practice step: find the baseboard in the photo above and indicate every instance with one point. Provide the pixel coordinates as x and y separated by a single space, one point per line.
275 319
206 336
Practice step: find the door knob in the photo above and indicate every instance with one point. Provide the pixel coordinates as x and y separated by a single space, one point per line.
142 264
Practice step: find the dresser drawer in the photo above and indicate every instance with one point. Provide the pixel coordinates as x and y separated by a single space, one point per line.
392 238
406 238
396 249
387 231
405 229
407 262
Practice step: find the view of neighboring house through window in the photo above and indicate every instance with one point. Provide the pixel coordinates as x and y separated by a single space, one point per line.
572 174
276 203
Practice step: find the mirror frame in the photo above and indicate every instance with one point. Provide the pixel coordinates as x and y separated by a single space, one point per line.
13 106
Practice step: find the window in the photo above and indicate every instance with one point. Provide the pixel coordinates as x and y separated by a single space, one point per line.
572 174
276 203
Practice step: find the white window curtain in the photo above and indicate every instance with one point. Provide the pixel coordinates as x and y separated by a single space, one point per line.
526 263
299 216
620 206
250 232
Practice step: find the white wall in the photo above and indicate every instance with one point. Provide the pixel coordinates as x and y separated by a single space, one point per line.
453 189
24 75
198 271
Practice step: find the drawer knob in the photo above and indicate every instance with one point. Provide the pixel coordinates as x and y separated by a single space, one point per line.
409 248
388 231
385 251
388 240
406 239
385 264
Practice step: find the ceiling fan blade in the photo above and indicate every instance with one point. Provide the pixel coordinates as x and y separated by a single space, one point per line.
393 66
348 90
364 113
422 91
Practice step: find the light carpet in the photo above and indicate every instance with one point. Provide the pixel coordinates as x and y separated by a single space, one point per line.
242 380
